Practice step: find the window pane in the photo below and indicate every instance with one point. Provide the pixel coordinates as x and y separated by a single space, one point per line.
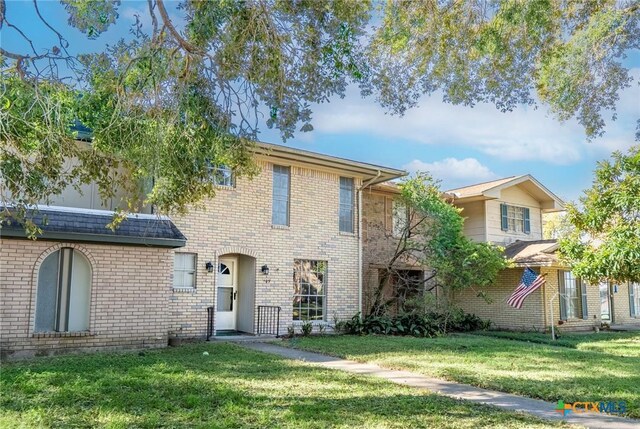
280 196
309 290
47 295
184 270
399 218
80 296
221 175
345 221
225 299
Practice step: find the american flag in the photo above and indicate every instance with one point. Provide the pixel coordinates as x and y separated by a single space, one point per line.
529 283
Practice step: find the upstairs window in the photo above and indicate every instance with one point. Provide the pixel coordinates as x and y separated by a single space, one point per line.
515 219
64 292
400 218
281 192
346 204
221 175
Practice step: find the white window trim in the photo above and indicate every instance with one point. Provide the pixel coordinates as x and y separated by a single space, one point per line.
195 273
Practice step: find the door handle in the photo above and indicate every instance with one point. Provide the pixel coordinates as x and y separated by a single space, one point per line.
235 295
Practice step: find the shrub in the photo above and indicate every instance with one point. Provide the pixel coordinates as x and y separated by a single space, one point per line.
306 328
418 325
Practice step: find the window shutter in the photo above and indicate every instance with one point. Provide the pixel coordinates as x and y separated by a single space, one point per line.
583 290
504 221
527 221
562 300
632 304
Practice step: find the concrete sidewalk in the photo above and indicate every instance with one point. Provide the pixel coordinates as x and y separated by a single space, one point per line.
506 401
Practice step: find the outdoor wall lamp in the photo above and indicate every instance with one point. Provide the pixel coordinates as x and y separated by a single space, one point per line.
209 266
265 270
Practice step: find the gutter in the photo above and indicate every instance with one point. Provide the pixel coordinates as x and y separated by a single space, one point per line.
369 182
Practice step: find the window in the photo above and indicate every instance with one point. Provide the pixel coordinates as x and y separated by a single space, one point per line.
221 175
64 292
346 204
184 271
400 218
634 299
573 297
515 219
309 289
281 186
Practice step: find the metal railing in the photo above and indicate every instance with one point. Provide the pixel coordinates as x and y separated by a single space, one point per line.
268 320
209 323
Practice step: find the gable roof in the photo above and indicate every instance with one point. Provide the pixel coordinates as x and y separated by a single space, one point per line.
549 201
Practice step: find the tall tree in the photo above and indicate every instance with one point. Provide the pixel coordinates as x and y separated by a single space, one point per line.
189 90
433 237
170 101
605 244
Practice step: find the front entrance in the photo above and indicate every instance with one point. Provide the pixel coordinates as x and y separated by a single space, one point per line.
606 313
227 294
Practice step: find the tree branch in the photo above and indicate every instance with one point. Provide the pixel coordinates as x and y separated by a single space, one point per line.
167 22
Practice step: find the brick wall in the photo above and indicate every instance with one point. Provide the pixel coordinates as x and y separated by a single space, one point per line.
503 316
238 221
129 295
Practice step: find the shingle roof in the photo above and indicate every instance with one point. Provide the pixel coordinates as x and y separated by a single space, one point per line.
91 226
479 188
535 252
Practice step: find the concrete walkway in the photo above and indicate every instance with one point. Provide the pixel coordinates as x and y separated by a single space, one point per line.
536 407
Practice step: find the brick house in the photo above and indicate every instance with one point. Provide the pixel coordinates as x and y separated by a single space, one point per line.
288 238
508 212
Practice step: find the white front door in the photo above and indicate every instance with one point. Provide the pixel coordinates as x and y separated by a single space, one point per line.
227 294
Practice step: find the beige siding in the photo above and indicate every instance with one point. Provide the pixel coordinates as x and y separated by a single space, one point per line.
517 197
474 220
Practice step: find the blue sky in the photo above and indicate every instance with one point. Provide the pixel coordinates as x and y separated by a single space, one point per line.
459 145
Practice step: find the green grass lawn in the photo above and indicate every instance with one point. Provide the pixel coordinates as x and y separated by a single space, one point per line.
614 343
589 370
231 387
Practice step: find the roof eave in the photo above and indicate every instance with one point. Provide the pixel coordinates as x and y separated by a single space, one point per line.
98 238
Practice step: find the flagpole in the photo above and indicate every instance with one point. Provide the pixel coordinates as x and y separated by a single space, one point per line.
553 328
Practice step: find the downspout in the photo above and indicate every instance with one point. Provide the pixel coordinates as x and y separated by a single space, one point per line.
360 189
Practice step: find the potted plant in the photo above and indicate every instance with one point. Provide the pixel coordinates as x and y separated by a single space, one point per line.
174 338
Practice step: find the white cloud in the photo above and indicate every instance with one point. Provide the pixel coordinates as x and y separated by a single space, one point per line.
454 172
526 133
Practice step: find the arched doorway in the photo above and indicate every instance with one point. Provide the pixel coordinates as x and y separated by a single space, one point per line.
235 294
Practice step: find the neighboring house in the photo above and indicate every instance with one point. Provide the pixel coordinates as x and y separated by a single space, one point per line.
508 212
288 238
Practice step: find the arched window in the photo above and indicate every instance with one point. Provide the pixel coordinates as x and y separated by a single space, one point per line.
64 292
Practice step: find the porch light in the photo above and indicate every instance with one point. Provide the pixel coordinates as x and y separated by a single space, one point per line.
209 266
265 270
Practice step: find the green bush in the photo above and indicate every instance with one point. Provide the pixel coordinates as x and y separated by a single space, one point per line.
415 324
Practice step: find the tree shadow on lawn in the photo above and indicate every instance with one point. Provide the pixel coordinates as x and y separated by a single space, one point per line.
234 388
533 370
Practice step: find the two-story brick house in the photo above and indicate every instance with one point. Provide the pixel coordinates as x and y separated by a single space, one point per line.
509 212
288 238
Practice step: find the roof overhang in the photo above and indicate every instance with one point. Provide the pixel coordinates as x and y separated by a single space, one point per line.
549 202
370 173
87 225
